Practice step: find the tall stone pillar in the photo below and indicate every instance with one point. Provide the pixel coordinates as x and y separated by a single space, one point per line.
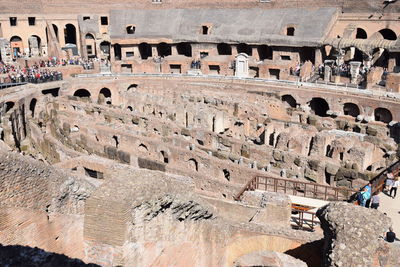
318 57
5 50
33 46
328 70
354 71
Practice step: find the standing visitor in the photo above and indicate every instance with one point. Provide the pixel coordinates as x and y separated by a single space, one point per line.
375 201
394 188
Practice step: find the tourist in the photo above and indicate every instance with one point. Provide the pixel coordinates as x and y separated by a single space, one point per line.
363 197
394 188
375 201
390 235
389 181
369 188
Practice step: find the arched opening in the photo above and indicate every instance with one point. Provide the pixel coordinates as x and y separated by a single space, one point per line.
351 109
383 60
290 31
193 164
32 106
265 52
383 115
227 174
244 48
116 142
82 93
184 49
358 55
105 49
70 34
289 100
132 87
130 108
164 49
9 106
145 50
17 46
90 45
55 28
117 51
388 34
130 29
142 148
319 106
105 95
35 44
224 49
361 34
164 156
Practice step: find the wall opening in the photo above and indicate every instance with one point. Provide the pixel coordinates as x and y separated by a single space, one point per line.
224 49
164 156
117 51
32 106
9 106
227 174
388 34
184 49
361 34
289 100
383 115
70 34
290 31
193 164
116 141
351 109
53 91
319 106
142 148
265 52
244 48
164 49
145 50
130 29
93 173
82 93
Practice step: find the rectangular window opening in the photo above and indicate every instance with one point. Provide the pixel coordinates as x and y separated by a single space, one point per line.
285 57
104 20
13 21
32 21
86 18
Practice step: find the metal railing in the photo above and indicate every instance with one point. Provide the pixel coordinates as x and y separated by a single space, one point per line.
296 188
378 182
304 220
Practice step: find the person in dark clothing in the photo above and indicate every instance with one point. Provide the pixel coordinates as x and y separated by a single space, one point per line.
390 236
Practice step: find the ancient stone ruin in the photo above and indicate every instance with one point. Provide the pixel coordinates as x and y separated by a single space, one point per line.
197 133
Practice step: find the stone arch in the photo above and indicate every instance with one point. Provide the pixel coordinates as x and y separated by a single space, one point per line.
164 156
130 108
319 106
193 164
132 86
383 115
244 48
351 109
105 48
105 95
90 45
33 46
224 49
55 28
388 34
227 174
82 93
9 106
164 49
70 34
116 141
16 45
32 106
184 49
143 148
289 99
145 50
361 33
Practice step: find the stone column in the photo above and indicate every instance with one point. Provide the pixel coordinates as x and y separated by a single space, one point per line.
367 61
354 71
318 57
5 50
33 46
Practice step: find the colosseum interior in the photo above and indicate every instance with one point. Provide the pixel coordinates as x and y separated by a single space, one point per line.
198 133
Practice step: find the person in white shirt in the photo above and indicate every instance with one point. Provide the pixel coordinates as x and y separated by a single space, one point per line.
394 188
389 181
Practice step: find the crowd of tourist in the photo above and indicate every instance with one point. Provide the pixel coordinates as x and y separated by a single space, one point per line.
41 72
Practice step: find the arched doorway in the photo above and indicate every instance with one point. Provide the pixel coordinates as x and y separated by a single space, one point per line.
383 115
90 43
351 109
32 106
105 96
17 46
388 34
319 106
105 49
35 44
70 34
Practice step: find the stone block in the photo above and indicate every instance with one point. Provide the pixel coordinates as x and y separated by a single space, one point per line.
151 164
124 157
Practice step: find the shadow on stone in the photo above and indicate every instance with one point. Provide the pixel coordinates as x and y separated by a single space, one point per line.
310 253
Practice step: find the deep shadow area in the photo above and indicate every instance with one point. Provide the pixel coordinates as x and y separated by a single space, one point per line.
310 253
17 256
